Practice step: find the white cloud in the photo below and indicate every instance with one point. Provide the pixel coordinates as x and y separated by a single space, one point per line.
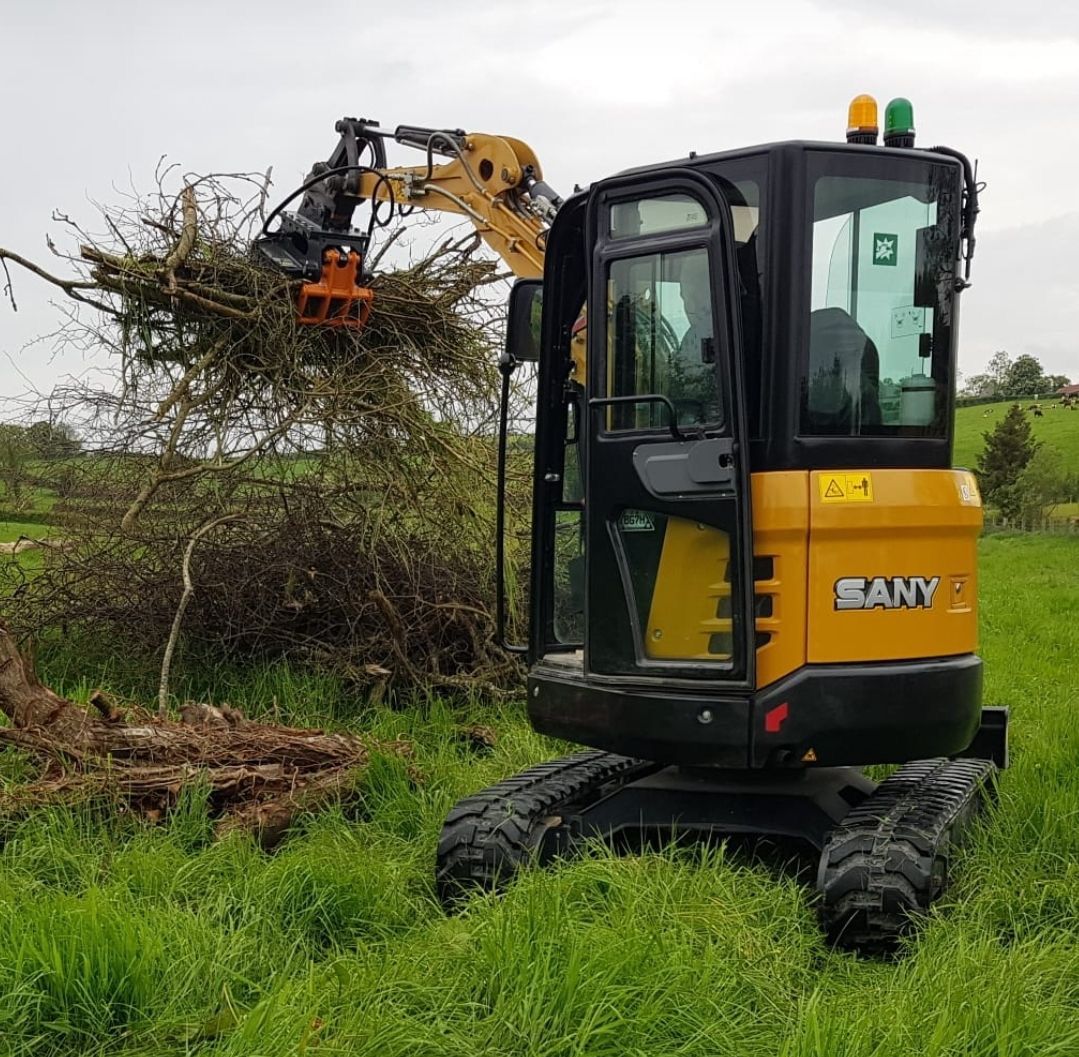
95 94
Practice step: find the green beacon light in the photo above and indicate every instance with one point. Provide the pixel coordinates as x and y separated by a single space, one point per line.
899 123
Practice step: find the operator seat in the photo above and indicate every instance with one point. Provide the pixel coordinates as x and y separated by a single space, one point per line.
843 383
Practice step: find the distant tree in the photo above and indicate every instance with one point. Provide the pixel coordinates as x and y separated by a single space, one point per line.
1071 486
14 459
52 440
1009 447
1043 483
1000 363
1025 377
979 386
1056 381
991 382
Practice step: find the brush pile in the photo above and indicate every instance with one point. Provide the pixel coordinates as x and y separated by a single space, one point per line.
320 492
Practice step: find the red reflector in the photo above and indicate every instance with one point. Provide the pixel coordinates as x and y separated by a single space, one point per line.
774 717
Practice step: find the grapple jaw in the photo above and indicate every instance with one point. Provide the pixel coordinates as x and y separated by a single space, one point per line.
338 298
331 265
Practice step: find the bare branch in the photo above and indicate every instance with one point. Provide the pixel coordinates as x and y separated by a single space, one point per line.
185 597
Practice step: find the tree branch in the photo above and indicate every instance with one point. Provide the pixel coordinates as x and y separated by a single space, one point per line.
185 598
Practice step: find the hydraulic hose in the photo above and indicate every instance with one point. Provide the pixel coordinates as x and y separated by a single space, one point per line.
970 206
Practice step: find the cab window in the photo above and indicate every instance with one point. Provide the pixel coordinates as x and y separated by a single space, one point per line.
660 340
880 326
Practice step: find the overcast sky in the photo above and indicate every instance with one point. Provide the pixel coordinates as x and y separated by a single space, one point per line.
92 94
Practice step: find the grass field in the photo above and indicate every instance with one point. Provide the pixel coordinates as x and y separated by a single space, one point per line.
1058 428
115 937
12 530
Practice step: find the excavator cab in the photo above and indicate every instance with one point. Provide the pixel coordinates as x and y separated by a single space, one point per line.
712 543
753 566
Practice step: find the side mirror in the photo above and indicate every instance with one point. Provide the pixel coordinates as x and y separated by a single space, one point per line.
525 316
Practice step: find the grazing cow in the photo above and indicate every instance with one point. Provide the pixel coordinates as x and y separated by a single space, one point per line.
987 412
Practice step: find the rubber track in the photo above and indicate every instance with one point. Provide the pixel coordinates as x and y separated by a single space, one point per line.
888 859
488 836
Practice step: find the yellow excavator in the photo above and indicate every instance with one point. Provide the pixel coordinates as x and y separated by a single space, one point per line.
753 566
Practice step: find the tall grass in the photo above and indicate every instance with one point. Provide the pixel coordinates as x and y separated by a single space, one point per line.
117 937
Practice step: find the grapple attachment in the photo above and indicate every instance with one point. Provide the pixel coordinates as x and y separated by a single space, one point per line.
338 298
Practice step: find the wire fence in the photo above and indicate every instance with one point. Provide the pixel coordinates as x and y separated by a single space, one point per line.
1054 526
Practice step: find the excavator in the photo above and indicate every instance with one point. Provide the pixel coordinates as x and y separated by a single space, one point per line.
753 567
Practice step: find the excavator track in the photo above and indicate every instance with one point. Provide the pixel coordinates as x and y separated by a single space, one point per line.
487 837
888 860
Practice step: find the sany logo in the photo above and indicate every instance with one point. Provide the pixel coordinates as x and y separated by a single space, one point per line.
885 592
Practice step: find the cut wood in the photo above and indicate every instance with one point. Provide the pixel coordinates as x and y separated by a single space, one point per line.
256 776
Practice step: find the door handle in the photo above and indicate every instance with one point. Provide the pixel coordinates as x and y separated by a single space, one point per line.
647 398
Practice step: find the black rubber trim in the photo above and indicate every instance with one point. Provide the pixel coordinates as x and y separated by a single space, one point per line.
834 715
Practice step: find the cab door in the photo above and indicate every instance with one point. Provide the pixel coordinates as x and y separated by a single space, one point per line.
668 571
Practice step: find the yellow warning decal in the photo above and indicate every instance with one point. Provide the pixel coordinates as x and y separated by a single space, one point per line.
846 487
809 756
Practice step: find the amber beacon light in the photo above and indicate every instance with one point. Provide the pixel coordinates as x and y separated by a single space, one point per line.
862 124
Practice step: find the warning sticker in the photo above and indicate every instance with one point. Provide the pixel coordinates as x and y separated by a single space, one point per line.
846 487
885 249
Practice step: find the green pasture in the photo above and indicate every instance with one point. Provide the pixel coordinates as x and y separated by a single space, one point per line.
121 938
13 530
1058 428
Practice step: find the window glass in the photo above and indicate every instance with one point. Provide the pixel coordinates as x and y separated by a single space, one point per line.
679 578
569 577
745 199
568 566
654 216
881 300
660 340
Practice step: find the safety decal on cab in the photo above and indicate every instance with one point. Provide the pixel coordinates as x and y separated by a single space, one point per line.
885 249
856 487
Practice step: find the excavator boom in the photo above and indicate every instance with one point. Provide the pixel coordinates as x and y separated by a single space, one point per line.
496 182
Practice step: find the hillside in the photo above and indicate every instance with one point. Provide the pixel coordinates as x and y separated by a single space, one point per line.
1058 427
